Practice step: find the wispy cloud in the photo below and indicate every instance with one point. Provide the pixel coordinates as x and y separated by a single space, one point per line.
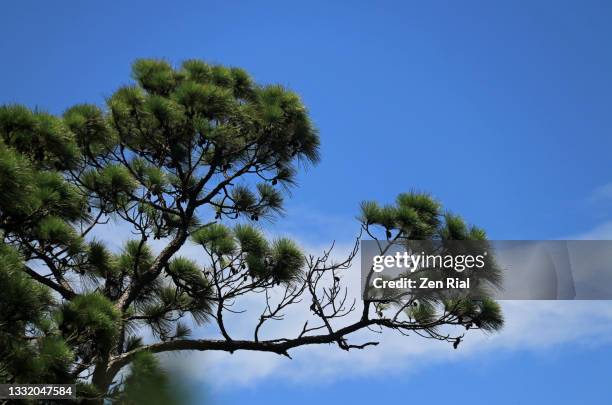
530 325
602 193
602 231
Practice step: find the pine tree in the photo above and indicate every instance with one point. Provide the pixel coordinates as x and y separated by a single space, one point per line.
195 154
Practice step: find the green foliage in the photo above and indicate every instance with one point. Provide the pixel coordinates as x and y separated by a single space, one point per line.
55 230
270 197
286 260
101 261
423 312
206 100
48 358
477 233
90 129
160 312
370 212
23 301
147 383
484 313
44 139
136 258
454 228
419 217
90 317
243 198
87 390
280 261
54 195
426 206
197 71
151 176
414 215
387 217
133 342
490 317
251 240
53 360
189 272
156 77
216 238
113 184
29 350
16 178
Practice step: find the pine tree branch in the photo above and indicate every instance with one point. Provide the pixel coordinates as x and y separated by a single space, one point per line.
281 347
162 259
63 291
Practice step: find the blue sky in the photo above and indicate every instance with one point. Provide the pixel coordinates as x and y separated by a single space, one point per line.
502 110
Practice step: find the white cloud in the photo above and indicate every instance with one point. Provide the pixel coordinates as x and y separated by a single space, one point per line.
600 232
602 193
530 325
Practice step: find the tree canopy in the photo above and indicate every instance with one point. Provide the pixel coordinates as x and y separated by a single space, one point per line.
192 154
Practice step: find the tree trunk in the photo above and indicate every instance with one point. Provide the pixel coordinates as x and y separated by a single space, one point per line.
101 379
